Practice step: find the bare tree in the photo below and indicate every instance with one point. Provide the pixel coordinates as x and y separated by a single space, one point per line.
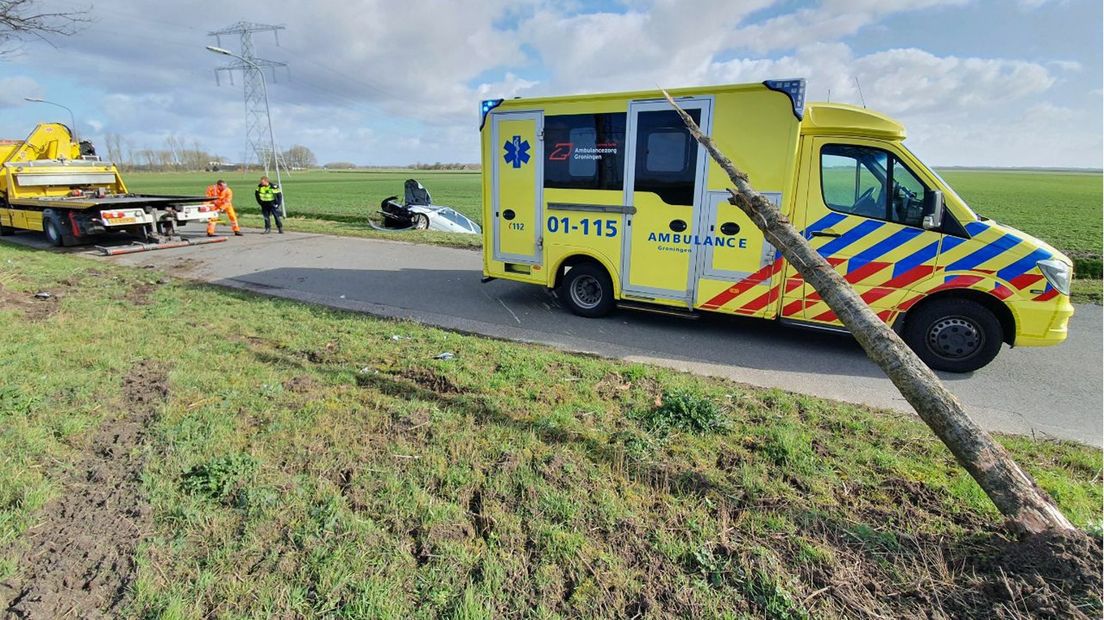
23 19
1015 494
175 147
165 159
299 156
194 158
114 148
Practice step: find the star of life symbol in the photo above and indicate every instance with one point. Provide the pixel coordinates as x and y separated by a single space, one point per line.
517 151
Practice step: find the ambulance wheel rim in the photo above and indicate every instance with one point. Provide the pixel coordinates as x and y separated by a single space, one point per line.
955 338
586 292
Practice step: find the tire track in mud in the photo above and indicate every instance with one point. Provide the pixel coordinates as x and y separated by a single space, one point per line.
79 559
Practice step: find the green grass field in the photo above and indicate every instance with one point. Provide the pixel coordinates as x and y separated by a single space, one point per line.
345 196
1061 208
312 463
1064 209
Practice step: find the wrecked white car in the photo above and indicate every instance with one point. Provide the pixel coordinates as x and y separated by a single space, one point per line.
417 212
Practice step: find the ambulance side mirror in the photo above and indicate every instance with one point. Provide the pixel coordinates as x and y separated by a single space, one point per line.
933 210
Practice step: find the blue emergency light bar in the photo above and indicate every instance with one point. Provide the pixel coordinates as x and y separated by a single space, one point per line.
485 109
794 89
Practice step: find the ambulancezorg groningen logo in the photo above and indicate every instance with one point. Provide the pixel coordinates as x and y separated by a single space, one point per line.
517 151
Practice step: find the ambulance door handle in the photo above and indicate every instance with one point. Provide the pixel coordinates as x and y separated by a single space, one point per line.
825 233
677 225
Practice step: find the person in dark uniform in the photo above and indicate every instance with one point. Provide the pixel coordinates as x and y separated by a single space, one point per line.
270 198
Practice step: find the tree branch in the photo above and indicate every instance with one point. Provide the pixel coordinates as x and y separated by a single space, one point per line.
21 19
1027 507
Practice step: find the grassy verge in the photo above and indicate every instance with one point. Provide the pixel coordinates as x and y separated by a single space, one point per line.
359 229
1085 291
309 462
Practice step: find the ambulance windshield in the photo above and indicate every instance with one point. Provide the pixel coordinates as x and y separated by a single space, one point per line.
947 189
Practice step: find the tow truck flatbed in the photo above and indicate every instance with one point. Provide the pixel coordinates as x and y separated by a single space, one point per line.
87 202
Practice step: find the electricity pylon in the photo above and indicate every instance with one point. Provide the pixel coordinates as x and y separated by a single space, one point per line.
257 115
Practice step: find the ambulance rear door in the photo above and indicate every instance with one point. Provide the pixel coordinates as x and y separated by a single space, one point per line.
517 185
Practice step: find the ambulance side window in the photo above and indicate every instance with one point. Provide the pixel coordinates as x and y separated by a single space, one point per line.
666 156
584 151
583 139
870 182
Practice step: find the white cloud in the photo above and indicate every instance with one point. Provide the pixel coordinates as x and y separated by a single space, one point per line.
911 80
14 89
1068 66
665 44
1031 5
509 87
382 81
831 20
1042 135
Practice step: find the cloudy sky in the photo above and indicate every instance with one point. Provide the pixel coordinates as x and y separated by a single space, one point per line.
977 82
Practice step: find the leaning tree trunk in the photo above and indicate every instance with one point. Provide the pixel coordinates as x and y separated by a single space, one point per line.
1027 507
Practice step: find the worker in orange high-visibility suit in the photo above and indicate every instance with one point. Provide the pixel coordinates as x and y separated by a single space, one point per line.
224 202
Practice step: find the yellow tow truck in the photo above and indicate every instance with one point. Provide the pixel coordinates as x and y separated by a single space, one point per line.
53 184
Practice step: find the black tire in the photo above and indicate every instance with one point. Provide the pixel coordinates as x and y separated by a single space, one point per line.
420 221
955 335
51 225
587 290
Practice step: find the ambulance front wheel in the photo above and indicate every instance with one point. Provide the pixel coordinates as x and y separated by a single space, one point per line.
587 290
955 335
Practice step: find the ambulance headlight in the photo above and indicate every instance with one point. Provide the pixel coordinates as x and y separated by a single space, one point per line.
1057 273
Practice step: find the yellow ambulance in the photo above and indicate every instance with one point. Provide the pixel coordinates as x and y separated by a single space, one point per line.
607 199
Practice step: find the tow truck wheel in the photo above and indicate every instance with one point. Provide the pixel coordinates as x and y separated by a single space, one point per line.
955 335
587 290
421 221
52 228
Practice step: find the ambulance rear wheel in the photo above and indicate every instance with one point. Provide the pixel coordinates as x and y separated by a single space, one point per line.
955 335
587 290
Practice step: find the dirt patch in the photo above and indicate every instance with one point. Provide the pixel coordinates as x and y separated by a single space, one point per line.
80 558
430 380
611 385
417 419
141 294
979 575
182 265
35 306
328 353
1050 575
299 385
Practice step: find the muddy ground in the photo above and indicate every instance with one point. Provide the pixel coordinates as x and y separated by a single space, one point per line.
37 306
78 560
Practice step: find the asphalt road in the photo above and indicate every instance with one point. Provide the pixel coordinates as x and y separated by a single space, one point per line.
1055 392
